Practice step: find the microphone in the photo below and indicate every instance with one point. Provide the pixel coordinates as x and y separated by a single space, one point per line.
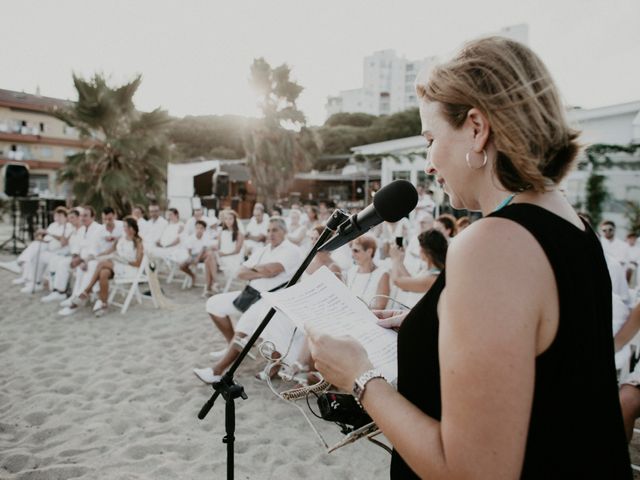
390 204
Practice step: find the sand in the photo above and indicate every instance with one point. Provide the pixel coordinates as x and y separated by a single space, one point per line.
115 398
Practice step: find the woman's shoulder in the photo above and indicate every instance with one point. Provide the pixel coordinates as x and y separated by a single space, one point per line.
495 244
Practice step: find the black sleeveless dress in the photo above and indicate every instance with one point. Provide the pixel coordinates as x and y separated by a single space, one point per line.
576 428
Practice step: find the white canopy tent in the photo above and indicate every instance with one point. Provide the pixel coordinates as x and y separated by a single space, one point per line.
180 189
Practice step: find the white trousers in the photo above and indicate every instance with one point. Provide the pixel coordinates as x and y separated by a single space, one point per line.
83 277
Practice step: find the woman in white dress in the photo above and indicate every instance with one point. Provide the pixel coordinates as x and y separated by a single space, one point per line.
366 280
433 252
226 254
124 263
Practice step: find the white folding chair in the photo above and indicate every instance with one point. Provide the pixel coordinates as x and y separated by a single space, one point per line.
131 286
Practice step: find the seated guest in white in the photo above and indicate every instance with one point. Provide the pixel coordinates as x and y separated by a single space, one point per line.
198 215
226 253
297 231
168 246
280 330
413 258
112 230
59 267
313 217
446 223
83 265
196 245
633 259
615 247
35 257
390 232
124 263
433 252
153 227
276 211
365 279
137 212
266 269
256 229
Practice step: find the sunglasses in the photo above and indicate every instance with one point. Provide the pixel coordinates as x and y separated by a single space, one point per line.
607 230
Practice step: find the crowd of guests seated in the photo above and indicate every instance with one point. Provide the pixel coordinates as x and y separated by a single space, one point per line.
392 266
72 262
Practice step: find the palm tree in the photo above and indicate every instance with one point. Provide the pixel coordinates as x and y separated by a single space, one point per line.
275 153
125 163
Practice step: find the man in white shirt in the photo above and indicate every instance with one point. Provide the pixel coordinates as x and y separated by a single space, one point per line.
59 267
112 230
169 246
36 256
611 245
256 229
153 227
84 263
266 269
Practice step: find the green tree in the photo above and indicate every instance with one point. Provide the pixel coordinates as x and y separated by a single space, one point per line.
278 145
125 163
596 195
343 131
633 216
213 136
350 119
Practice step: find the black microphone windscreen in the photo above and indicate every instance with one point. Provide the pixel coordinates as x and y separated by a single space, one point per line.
395 200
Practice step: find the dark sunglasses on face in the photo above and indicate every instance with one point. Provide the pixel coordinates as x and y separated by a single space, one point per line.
607 230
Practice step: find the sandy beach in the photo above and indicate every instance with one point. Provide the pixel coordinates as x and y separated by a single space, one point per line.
115 398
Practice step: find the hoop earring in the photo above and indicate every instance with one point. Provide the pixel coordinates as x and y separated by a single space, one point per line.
484 160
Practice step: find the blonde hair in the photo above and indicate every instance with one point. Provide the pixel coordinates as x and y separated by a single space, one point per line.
509 84
367 243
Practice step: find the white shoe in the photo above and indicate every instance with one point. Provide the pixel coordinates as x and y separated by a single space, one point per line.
207 375
101 311
98 305
53 297
79 301
66 311
218 354
66 303
31 288
18 281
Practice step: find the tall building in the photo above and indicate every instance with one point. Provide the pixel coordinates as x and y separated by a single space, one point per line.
388 86
388 81
31 135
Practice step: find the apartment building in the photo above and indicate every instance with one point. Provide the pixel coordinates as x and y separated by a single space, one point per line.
388 80
31 135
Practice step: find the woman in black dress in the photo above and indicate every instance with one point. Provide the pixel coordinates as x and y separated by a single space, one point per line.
505 367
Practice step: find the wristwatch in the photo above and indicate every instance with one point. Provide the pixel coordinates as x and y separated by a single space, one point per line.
361 382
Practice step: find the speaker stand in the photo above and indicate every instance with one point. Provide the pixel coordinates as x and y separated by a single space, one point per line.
13 240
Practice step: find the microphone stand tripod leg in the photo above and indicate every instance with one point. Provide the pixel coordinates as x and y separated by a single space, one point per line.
227 387
230 429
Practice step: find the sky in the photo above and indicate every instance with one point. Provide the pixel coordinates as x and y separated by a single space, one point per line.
194 55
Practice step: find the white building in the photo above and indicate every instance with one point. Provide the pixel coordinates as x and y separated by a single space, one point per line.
388 80
388 86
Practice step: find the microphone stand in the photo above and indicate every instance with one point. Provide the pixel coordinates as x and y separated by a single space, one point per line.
227 387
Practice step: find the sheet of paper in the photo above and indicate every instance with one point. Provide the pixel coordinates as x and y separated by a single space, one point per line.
326 304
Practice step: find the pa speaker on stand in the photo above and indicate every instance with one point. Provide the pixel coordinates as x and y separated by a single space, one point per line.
14 178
